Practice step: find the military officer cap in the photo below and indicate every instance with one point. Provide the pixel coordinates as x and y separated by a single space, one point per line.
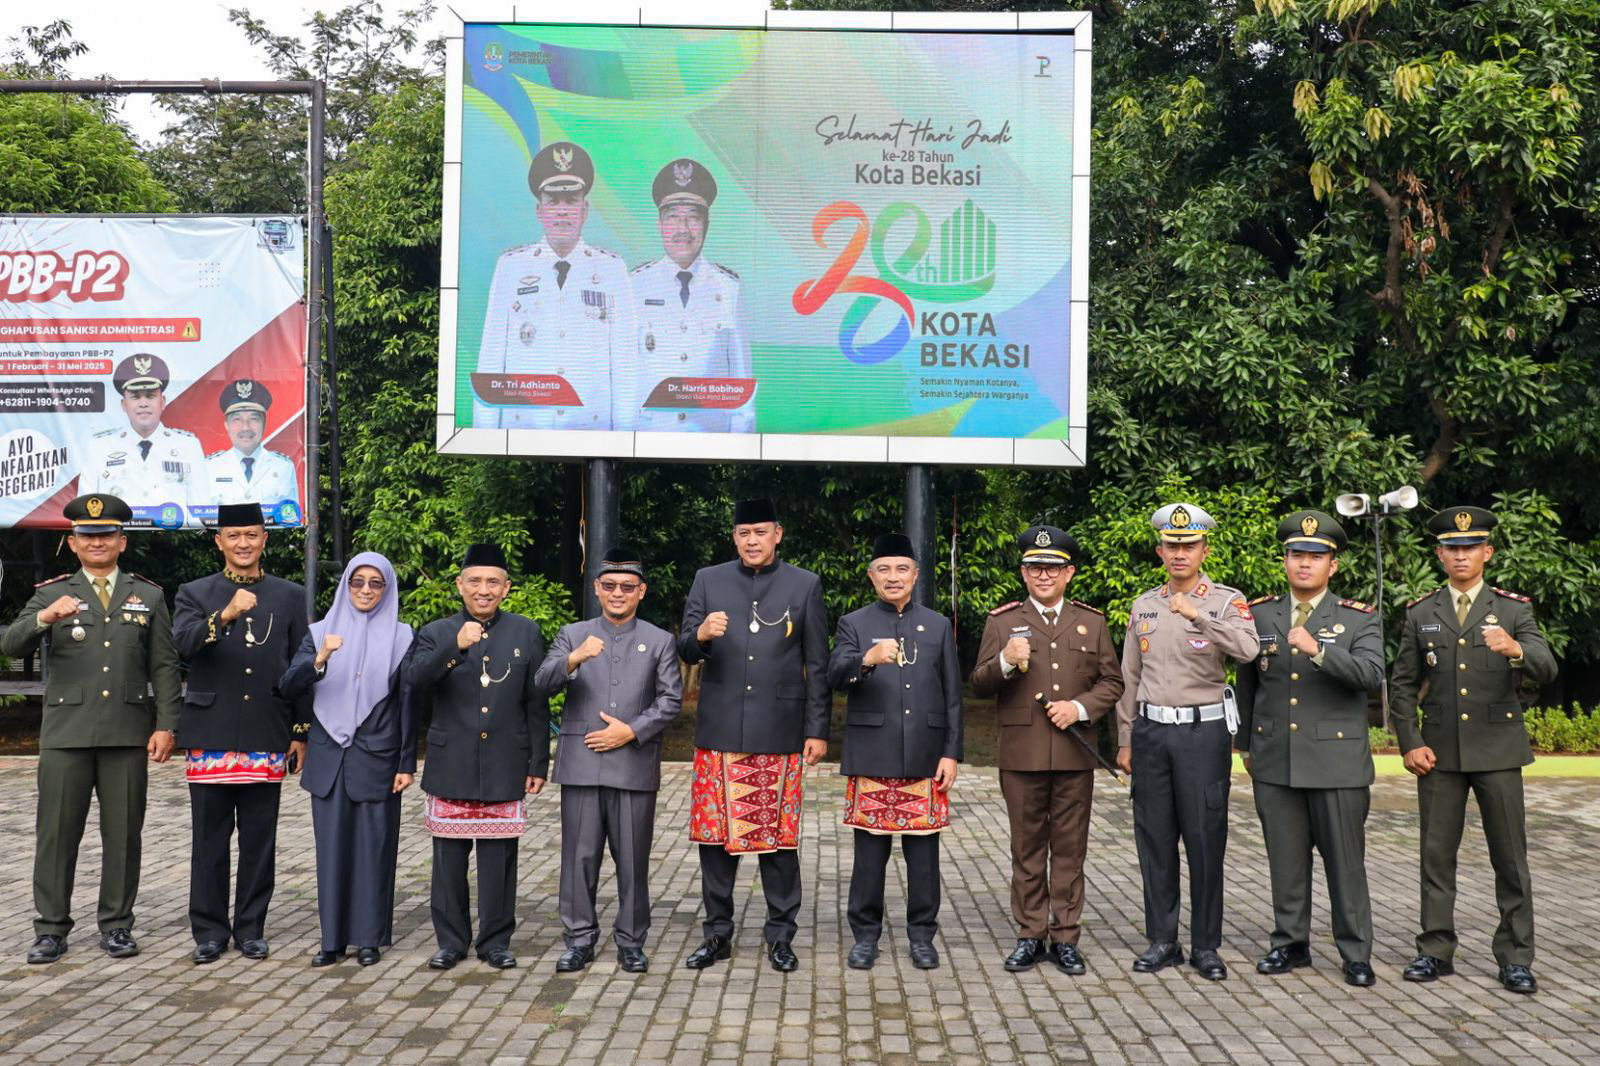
621 559
239 514
683 181
1462 525
244 395
1312 531
97 512
142 370
893 546
754 512
561 166
1047 546
484 555
1180 523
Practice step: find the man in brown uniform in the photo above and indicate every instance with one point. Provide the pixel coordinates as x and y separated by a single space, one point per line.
1052 667
1175 724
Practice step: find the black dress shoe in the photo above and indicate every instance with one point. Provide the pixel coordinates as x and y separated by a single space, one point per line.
327 958
445 959
368 956
863 953
782 957
632 960
119 944
48 948
1026 955
924 956
207 951
1359 974
715 949
1428 968
1208 964
1067 959
574 959
500 958
1158 957
1518 979
255 948
1282 960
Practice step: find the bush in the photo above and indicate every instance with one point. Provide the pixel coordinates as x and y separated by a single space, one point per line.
1551 729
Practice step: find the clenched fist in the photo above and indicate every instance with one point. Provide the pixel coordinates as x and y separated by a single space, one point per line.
1182 604
883 650
243 600
330 644
64 607
469 634
591 647
714 626
1016 653
1501 641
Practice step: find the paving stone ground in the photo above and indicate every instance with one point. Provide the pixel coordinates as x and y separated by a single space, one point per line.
161 1008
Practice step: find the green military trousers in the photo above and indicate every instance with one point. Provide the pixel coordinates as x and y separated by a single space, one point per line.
118 777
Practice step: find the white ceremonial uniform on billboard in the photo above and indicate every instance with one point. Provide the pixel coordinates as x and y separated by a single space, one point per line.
702 338
582 330
171 470
268 477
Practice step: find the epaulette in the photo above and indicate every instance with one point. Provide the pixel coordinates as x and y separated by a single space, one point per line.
726 271
1266 599
1420 598
213 455
180 432
147 581
112 432
52 580
1087 607
643 266
1508 594
1006 607
1357 605
592 250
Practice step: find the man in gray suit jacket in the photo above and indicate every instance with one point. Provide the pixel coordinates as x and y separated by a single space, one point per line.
623 687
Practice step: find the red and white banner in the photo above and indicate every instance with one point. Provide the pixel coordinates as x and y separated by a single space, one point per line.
160 359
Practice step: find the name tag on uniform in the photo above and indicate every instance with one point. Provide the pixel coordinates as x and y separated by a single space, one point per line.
224 480
1432 627
655 303
527 290
115 462
135 605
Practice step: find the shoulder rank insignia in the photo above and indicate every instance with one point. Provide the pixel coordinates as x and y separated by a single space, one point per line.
1087 607
1420 598
1508 594
1006 607
147 581
726 271
1266 599
52 580
1357 605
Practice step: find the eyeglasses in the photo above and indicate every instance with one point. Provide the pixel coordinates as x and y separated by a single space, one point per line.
1037 570
376 584
626 587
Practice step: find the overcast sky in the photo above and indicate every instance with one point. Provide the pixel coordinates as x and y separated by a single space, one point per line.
137 40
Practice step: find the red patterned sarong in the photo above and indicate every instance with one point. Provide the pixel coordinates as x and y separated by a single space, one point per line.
471 819
909 805
203 767
747 803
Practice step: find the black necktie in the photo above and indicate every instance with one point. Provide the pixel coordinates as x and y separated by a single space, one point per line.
248 463
683 291
144 449
562 266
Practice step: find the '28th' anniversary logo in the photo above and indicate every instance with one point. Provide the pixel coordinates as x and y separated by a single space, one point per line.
959 269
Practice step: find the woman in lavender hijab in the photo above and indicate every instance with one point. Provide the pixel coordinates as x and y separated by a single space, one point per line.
361 754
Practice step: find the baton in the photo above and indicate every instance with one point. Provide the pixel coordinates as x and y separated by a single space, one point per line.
1086 746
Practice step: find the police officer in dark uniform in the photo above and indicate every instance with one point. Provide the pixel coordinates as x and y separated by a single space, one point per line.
110 701
1469 645
903 727
488 746
1303 729
237 631
759 627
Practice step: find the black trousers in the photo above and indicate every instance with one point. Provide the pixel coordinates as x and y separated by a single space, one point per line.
1180 791
215 810
357 848
497 893
780 881
865 906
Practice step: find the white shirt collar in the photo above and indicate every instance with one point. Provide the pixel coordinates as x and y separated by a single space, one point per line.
1041 608
111 578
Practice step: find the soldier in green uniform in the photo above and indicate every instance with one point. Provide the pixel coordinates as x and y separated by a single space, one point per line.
1303 729
1466 648
110 700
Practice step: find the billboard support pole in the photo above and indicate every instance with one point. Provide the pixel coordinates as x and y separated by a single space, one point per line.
919 520
315 220
602 499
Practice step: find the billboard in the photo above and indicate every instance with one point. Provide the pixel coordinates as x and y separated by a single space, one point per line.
158 358
793 242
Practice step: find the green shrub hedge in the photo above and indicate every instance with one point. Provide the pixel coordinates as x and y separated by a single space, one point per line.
1553 729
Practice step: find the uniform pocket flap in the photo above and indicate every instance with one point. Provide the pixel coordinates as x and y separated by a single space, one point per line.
68 694
1263 727
437 738
199 699
1339 731
1506 714
136 693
